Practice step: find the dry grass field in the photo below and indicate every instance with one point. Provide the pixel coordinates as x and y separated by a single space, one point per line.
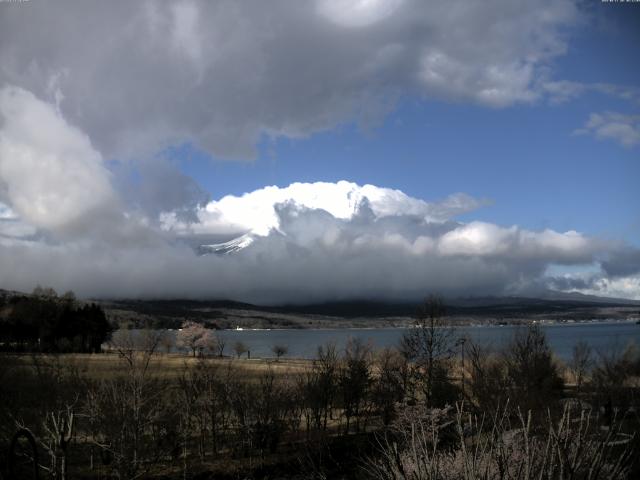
168 366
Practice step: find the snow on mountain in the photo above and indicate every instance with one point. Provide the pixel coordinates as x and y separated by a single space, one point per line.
257 212
232 246
260 212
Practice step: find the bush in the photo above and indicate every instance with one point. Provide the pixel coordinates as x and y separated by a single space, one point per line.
457 445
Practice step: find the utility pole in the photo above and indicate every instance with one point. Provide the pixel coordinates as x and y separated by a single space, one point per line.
461 341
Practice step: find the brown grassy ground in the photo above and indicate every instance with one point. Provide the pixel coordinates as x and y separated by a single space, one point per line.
109 365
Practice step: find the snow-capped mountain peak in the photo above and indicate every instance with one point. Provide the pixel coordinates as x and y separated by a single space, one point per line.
257 212
232 246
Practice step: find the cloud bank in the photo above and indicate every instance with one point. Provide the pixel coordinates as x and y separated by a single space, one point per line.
64 224
85 84
312 255
139 76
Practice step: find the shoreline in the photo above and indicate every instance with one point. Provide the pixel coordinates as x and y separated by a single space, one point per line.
543 323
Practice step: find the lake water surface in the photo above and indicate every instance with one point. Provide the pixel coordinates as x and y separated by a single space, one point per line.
602 336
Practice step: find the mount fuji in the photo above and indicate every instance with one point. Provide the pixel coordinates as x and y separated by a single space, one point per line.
232 246
261 213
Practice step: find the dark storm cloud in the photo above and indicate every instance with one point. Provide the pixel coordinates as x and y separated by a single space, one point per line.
622 262
571 283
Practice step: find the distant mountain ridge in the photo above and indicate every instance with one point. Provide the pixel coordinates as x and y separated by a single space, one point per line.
482 307
548 297
461 306
544 296
171 313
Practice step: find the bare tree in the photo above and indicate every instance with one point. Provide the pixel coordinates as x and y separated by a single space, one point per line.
240 348
57 433
167 341
319 387
149 340
279 350
126 342
221 343
389 386
488 385
128 410
59 427
430 345
533 376
580 363
217 378
355 380
274 407
613 379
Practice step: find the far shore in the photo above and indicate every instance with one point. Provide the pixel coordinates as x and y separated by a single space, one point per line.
411 324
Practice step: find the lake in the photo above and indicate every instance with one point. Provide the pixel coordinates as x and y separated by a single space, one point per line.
602 336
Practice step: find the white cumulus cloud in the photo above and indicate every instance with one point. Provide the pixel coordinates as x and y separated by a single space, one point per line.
258 211
50 173
621 128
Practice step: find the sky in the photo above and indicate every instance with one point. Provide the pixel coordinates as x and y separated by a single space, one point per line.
368 149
